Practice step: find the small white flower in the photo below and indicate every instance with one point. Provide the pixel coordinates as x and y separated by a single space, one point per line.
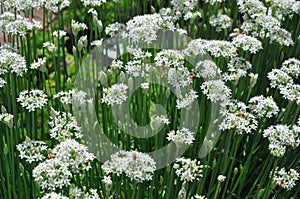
216 90
220 22
263 106
186 100
136 165
77 27
32 100
281 136
247 43
286 179
49 46
64 126
116 94
53 195
59 33
188 170
182 136
32 151
221 178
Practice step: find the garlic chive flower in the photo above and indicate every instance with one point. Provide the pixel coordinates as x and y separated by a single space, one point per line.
247 43
52 174
207 69
236 117
216 90
75 155
32 151
56 5
32 100
64 126
12 62
220 22
135 165
286 179
280 137
186 100
263 106
188 170
53 195
181 136
116 94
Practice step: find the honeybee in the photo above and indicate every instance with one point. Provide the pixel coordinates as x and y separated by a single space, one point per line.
51 155
241 114
192 74
163 75
282 184
164 65
133 153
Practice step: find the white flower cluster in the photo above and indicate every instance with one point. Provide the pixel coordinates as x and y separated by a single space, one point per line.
285 8
281 136
32 100
291 67
59 33
213 2
116 94
143 28
286 179
7 119
53 195
169 58
32 151
237 67
56 5
156 121
17 25
247 43
114 29
237 118
49 46
186 100
197 196
188 170
263 25
251 7
196 47
182 136
283 79
22 5
135 67
12 62
136 165
72 96
67 157
262 106
179 77
38 64
220 22
64 126
184 8
78 193
216 90
217 48
52 174
2 82
73 154
207 69
77 27
93 2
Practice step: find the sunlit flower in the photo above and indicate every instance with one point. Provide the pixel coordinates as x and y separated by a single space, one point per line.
286 179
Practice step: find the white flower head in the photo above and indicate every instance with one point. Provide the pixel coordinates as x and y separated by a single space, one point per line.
32 100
